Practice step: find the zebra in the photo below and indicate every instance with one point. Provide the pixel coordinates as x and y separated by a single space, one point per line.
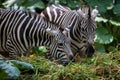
19 32
81 23
53 12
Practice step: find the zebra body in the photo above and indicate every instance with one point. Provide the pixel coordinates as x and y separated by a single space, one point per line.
81 23
19 32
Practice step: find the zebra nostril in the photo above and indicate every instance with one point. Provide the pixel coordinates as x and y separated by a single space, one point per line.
71 57
90 51
65 63
73 60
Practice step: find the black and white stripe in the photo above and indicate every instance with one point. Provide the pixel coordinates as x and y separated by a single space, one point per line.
19 32
81 23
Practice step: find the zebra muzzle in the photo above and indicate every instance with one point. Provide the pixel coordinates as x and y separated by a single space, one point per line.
90 51
71 57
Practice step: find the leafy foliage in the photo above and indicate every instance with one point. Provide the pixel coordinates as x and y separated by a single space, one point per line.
21 65
103 5
10 68
22 4
105 66
103 36
116 9
40 51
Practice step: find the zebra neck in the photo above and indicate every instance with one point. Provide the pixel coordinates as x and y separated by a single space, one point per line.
75 33
39 36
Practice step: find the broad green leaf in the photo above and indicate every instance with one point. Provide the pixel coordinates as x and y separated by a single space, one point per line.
112 49
25 3
3 75
2 72
101 19
114 23
71 4
57 1
99 47
22 65
42 49
103 36
116 9
9 69
63 1
34 3
102 4
9 3
1 60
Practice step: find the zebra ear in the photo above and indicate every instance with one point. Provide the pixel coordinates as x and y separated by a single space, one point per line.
81 13
84 10
94 12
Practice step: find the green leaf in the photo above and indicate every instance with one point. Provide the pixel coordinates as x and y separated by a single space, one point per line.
1 60
9 3
34 3
99 47
112 49
42 48
3 75
103 36
22 65
102 4
63 1
25 3
40 51
9 69
101 19
71 3
116 9
114 23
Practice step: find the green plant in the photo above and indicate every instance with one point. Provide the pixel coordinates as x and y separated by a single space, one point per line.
11 68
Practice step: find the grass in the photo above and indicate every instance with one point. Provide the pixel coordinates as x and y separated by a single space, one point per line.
104 67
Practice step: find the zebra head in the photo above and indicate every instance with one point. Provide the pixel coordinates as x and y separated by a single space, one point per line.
60 50
87 28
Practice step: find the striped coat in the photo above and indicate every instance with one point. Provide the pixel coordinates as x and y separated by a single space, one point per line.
19 32
81 23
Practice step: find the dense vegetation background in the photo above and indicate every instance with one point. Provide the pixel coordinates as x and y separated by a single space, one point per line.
107 41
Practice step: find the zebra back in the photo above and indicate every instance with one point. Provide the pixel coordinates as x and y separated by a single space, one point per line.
53 12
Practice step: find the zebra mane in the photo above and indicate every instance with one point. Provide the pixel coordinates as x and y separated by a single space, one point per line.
1 10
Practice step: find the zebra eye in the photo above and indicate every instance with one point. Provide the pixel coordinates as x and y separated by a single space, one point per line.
84 41
83 29
83 37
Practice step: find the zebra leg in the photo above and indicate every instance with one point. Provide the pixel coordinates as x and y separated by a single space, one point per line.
11 49
48 55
